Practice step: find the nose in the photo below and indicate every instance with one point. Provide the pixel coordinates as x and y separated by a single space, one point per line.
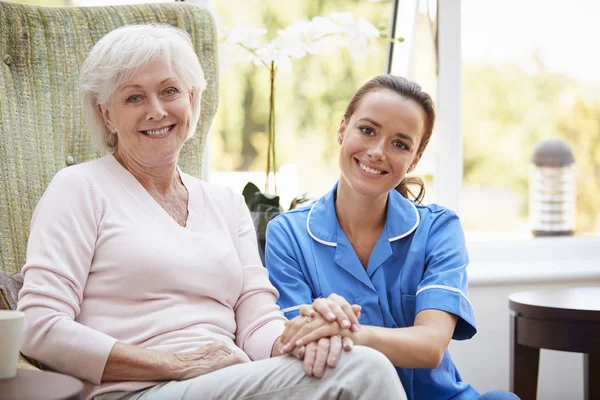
376 150
156 110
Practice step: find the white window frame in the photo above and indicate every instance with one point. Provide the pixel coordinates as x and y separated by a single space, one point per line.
449 157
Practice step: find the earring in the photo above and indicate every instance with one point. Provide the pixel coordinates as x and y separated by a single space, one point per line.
339 138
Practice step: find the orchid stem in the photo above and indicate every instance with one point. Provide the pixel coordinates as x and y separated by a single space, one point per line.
271 160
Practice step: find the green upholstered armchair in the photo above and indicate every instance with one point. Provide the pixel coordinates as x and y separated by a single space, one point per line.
41 126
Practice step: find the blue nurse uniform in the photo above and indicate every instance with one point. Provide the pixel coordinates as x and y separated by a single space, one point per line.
419 262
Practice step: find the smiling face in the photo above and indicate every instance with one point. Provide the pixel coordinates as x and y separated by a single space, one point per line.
380 143
151 115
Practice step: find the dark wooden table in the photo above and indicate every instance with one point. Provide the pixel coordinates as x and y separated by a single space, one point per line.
40 385
565 320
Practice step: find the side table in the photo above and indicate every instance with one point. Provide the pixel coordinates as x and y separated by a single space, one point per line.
565 320
40 385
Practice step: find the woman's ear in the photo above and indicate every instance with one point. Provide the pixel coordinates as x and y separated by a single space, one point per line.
414 163
341 131
106 117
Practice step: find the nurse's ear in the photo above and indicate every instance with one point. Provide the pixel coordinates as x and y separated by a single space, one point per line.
414 162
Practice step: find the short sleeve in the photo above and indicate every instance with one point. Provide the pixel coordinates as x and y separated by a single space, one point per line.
444 285
284 270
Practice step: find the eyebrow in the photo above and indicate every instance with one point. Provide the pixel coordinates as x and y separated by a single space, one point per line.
378 125
138 86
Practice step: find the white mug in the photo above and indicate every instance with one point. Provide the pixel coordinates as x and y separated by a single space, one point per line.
11 332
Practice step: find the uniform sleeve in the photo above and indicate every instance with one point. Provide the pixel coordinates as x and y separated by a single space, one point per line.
284 271
444 284
258 317
59 255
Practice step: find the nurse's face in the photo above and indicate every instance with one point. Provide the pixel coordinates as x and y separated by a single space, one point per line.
380 142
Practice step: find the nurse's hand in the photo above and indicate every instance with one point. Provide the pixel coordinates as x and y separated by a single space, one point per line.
334 308
301 330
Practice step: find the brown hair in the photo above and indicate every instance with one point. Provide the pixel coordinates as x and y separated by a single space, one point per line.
409 90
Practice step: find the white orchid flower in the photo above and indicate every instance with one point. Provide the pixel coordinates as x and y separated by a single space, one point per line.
249 38
357 35
322 33
341 30
273 52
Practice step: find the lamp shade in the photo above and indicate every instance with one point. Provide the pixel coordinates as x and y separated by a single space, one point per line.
552 189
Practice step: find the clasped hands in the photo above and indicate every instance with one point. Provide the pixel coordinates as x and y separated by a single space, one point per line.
320 332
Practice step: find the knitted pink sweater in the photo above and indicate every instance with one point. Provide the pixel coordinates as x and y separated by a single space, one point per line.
106 263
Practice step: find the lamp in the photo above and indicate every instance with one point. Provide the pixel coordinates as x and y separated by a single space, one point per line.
552 189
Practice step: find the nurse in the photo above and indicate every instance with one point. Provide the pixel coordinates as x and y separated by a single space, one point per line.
380 269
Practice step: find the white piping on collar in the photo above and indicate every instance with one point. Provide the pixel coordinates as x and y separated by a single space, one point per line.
332 244
411 230
444 287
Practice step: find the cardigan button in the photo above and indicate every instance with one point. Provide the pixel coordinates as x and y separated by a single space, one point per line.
70 160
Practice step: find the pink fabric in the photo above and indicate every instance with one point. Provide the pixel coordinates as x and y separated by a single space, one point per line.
106 263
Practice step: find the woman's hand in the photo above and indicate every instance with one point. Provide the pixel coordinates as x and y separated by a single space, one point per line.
324 353
335 308
207 359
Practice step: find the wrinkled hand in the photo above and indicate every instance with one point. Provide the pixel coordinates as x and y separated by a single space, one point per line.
324 353
209 358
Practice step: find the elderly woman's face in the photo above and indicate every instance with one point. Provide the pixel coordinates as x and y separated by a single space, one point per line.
151 114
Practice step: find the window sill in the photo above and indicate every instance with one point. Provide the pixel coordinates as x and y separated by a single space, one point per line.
534 260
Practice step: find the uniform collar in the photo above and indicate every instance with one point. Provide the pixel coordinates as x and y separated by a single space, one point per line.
401 220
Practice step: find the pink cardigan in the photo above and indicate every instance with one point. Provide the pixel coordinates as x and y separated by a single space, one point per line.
106 263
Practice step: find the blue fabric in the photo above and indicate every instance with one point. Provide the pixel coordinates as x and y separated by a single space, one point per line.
498 395
418 263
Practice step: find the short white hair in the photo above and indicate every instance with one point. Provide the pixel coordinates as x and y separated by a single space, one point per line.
118 55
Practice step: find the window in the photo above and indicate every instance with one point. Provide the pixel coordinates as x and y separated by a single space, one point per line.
528 75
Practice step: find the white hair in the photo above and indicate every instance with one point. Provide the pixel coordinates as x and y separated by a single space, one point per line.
118 55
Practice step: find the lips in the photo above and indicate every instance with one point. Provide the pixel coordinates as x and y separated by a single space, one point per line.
370 170
160 132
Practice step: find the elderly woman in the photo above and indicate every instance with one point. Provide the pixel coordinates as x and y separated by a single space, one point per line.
146 282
